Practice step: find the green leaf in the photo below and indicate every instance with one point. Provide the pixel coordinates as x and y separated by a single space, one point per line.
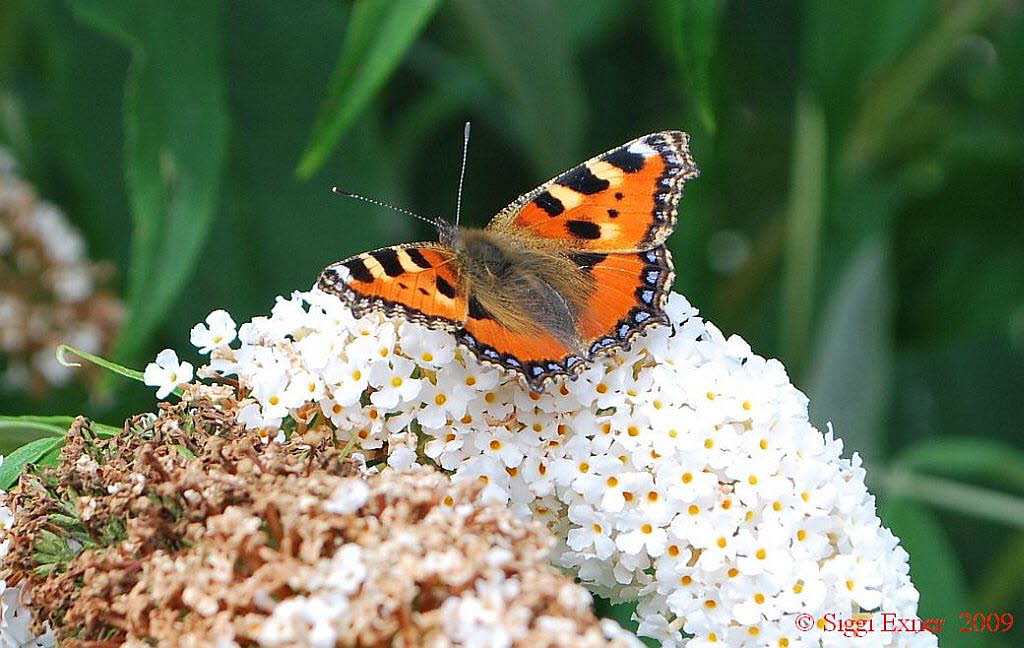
29 453
889 98
524 47
377 36
176 129
803 229
851 373
968 457
184 452
934 569
690 28
955 496
16 431
50 425
51 458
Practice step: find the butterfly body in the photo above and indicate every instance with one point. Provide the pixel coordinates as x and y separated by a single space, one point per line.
526 284
574 268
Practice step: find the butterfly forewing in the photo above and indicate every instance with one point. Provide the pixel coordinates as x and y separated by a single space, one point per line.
418 281
620 201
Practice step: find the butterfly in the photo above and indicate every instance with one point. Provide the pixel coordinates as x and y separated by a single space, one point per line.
568 271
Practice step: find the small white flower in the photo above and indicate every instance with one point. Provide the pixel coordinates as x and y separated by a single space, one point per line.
402 459
348 497
394 383
219 330
167 373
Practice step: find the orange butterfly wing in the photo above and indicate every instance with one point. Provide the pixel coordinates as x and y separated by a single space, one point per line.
622 200
419 281
630 291
536 355
611 215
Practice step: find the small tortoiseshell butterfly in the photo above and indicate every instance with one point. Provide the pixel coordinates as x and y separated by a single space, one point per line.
569 270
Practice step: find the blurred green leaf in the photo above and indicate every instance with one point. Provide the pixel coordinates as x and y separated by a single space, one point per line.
933 566
31 452
11 30
888 99
176 127
850 377
41 423
803 229
956 496
525 48
377 36
690 28
16 431
968 458
1001 580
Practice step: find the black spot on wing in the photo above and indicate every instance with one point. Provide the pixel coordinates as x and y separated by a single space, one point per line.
424 292
583 229
359 270
388 260
583 181
587 260
553 206
626 160
613 213
619 195
418 258
444 287
476 309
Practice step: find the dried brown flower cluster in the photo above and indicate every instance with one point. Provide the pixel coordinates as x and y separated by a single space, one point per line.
50 292
188 530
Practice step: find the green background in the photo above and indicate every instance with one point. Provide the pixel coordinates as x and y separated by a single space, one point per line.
859 213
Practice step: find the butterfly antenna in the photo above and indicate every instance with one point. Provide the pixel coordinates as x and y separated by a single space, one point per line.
462 174
440 225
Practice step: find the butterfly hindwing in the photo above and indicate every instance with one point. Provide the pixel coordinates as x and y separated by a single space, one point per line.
630 290
419 281
620 201
536 355
629 293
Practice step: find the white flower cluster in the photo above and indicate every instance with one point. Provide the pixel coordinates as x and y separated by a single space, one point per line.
683 473
50 293
313 619
15 618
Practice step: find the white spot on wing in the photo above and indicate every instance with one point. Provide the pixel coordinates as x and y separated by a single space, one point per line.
606 171
569 198
641 148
